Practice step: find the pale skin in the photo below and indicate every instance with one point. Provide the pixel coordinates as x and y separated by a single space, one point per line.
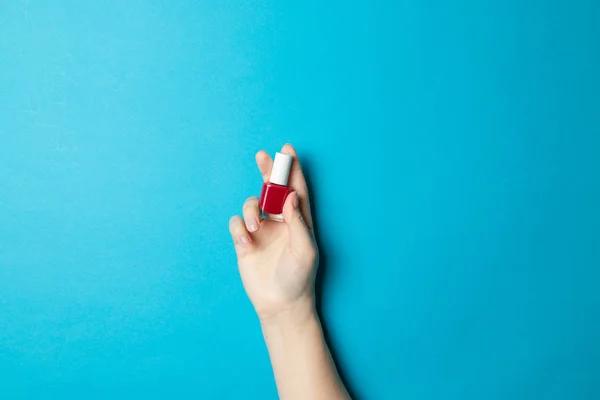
277 263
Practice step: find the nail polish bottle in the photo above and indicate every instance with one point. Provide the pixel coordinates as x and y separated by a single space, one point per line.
275 191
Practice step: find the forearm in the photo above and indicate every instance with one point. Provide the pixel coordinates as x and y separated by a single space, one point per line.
301 360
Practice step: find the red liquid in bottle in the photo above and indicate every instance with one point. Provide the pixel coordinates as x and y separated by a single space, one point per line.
272 198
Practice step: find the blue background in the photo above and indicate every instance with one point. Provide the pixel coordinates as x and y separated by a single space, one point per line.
452 149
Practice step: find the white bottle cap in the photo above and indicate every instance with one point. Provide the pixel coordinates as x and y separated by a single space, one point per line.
281 169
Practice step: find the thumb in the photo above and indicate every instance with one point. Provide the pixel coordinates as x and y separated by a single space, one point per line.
299 233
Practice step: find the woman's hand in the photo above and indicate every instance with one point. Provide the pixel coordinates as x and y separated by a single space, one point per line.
278 261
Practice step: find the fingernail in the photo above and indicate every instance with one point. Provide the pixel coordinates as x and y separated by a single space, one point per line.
253 224
295 203
245 240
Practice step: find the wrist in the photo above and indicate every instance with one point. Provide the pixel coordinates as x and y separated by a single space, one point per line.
296 330
294 316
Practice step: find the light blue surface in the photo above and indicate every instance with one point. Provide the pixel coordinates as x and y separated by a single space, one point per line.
453 151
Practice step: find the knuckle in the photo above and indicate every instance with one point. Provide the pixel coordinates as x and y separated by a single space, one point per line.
315 258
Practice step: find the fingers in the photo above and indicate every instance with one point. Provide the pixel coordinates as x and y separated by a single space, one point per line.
300 235
251 214
265 164
238 231
297 182
240 228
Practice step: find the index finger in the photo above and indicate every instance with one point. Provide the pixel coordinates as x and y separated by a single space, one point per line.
265 164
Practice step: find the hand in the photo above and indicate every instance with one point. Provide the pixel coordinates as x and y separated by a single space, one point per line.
278 260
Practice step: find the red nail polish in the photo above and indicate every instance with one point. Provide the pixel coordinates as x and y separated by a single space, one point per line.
275 191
